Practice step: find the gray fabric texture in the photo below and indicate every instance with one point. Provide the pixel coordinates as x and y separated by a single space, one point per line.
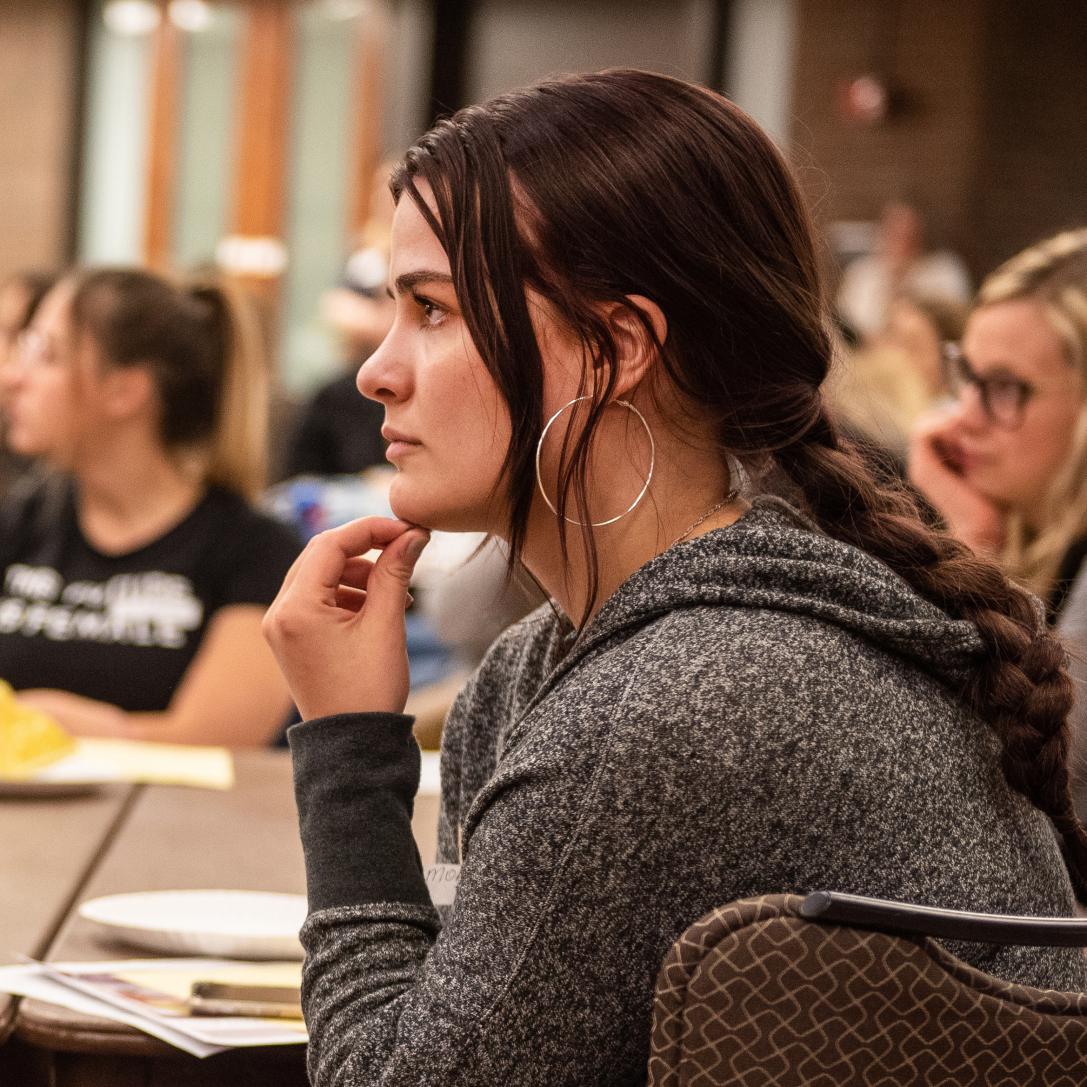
761 709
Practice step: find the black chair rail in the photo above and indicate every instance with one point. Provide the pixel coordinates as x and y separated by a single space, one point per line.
905 919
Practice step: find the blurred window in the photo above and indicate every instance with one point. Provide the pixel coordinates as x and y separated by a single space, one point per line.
206 134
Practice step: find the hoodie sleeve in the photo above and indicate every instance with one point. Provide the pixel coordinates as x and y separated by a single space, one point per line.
522 985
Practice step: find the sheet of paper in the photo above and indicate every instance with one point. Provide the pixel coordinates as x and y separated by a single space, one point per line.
148 994
31 981
177 983
430 780
441 882
162 764
134 987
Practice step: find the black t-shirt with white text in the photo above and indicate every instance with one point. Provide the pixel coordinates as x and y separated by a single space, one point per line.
124 628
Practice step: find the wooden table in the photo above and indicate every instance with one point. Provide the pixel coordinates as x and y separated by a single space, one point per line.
48 849
173 838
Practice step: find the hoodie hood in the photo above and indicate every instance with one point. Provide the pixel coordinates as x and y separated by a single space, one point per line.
775 559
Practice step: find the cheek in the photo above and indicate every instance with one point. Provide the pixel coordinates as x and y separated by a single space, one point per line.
1029 459
451 483
465 405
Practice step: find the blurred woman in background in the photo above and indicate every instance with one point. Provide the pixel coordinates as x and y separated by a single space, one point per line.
20 296
339 432
1006 464
134 582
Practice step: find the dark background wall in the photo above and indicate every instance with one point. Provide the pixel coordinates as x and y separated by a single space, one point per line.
1031 169
991 139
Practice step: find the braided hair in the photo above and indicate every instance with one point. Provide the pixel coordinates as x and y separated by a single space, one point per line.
1020 687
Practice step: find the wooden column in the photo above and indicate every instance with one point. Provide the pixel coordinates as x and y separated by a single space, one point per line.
368 103
249 254
162 143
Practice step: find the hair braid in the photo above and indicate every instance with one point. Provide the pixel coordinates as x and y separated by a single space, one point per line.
1021 687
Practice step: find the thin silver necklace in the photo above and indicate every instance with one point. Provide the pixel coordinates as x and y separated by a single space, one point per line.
729 498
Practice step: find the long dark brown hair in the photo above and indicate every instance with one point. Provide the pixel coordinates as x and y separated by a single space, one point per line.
598 187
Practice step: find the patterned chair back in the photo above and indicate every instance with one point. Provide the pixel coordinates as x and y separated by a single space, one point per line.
756 994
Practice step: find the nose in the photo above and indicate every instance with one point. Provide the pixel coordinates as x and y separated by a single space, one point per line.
12 374
383 376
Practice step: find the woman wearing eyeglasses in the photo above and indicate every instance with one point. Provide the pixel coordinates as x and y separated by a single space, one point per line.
134 582
1006 463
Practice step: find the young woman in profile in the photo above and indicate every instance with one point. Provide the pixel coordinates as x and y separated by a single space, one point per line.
135 579
608 318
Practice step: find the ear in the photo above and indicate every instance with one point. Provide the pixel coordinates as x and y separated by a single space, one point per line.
636 353
129 391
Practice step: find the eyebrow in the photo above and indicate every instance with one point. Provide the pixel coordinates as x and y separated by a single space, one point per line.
1002 371
410 280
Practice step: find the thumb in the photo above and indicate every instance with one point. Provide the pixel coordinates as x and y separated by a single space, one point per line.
391 575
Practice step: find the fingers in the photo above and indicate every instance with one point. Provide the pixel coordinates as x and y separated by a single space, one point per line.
319 569
350 599
388 583
356 573
353 599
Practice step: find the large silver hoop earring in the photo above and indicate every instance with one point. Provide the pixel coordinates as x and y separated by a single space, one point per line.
648 477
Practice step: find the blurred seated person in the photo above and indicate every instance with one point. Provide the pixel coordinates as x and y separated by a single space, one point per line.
136 578
20 296
881 388
339 431
469 604
1006 463
900 264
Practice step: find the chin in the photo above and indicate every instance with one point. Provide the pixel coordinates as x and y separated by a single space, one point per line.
419 506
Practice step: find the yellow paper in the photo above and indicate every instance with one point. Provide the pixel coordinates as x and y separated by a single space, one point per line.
162 764
178 983
160 990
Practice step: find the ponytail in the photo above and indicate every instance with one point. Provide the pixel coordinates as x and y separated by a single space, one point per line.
238 445
1020 687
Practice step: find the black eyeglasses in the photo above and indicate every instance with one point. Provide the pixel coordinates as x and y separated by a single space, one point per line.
1003 398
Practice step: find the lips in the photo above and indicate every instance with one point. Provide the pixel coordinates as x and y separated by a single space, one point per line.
399 443
397 437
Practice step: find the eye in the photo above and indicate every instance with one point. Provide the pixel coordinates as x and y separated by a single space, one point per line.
1007 390
433 313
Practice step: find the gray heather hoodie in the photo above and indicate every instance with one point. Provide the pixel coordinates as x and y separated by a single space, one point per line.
761 709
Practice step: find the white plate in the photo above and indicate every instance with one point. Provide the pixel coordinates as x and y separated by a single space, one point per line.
73 775
231 924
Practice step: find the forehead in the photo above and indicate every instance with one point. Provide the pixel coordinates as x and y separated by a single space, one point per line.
1016 333
14 297
415 246
52 314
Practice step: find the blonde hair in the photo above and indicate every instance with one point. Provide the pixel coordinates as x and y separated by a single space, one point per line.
202 347
877 391
1054 273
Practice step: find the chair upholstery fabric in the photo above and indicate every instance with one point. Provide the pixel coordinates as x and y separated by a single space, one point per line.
753 994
